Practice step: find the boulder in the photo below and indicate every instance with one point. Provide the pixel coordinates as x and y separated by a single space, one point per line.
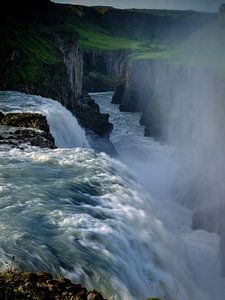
20 129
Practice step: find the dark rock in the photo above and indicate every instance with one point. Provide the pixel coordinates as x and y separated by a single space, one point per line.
93 295
154 93
97 82
100 144
144 25
26 120
18 286
119 93
152 119
31 129
222 13
102 68
90 117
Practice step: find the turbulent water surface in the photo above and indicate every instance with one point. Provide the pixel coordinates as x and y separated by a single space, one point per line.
63 126
86 216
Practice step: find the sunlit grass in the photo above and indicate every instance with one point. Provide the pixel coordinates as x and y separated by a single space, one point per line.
96 39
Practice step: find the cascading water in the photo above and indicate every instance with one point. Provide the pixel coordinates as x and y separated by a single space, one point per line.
63 126
84 215
162 170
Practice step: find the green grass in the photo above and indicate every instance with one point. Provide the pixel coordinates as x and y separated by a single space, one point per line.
91 38
33 50
35 47
204 48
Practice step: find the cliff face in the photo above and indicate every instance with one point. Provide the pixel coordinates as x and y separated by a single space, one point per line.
20 129
59 51
52 81
108 62
156 87
161 24
147 83
26 285
73 59
55 73
102 68
184 106
222 13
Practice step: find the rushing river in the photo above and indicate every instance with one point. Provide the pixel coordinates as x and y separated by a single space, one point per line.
110 224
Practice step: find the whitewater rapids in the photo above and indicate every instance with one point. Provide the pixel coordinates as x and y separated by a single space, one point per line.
63 125
85 216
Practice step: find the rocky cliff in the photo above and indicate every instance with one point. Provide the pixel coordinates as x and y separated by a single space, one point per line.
62 51
155 94
150 94
103 68
40 56
222 13
160 24
24 285
20 129
183 105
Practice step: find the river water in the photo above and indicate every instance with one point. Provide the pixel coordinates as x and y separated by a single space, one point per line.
109 224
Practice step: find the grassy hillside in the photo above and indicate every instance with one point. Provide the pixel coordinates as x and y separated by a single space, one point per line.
29 48
205 47
96 38
28 38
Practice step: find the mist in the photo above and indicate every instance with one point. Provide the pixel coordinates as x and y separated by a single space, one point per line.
199 5
183 167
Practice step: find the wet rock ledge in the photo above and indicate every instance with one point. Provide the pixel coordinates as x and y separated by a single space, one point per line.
20 129
24 285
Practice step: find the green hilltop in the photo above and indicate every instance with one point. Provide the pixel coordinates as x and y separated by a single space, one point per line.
32 34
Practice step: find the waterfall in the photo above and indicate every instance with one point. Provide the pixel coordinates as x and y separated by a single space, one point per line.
97 222
63 125
167 173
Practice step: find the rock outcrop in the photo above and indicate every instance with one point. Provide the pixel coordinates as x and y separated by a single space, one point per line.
119 93
222 13
163 84
24 285
138 93
103 68
21 129
49 51
91 118
73 59
170 26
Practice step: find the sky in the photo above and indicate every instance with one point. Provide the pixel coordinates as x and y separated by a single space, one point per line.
201 5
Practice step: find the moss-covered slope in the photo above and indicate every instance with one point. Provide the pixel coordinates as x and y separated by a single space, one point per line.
29 34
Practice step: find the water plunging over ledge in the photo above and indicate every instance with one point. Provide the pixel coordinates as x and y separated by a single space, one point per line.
63 125
85 216
161 171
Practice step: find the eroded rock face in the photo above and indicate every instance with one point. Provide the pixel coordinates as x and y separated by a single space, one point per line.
73 59
119 93
41 285
26 120
90 117
101 144
20 129
102 68
163 87
222 13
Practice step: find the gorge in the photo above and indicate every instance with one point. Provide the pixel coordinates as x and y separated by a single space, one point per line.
125 197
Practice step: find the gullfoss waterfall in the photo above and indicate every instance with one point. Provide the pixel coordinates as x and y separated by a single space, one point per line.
168 171
85 216
63 125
